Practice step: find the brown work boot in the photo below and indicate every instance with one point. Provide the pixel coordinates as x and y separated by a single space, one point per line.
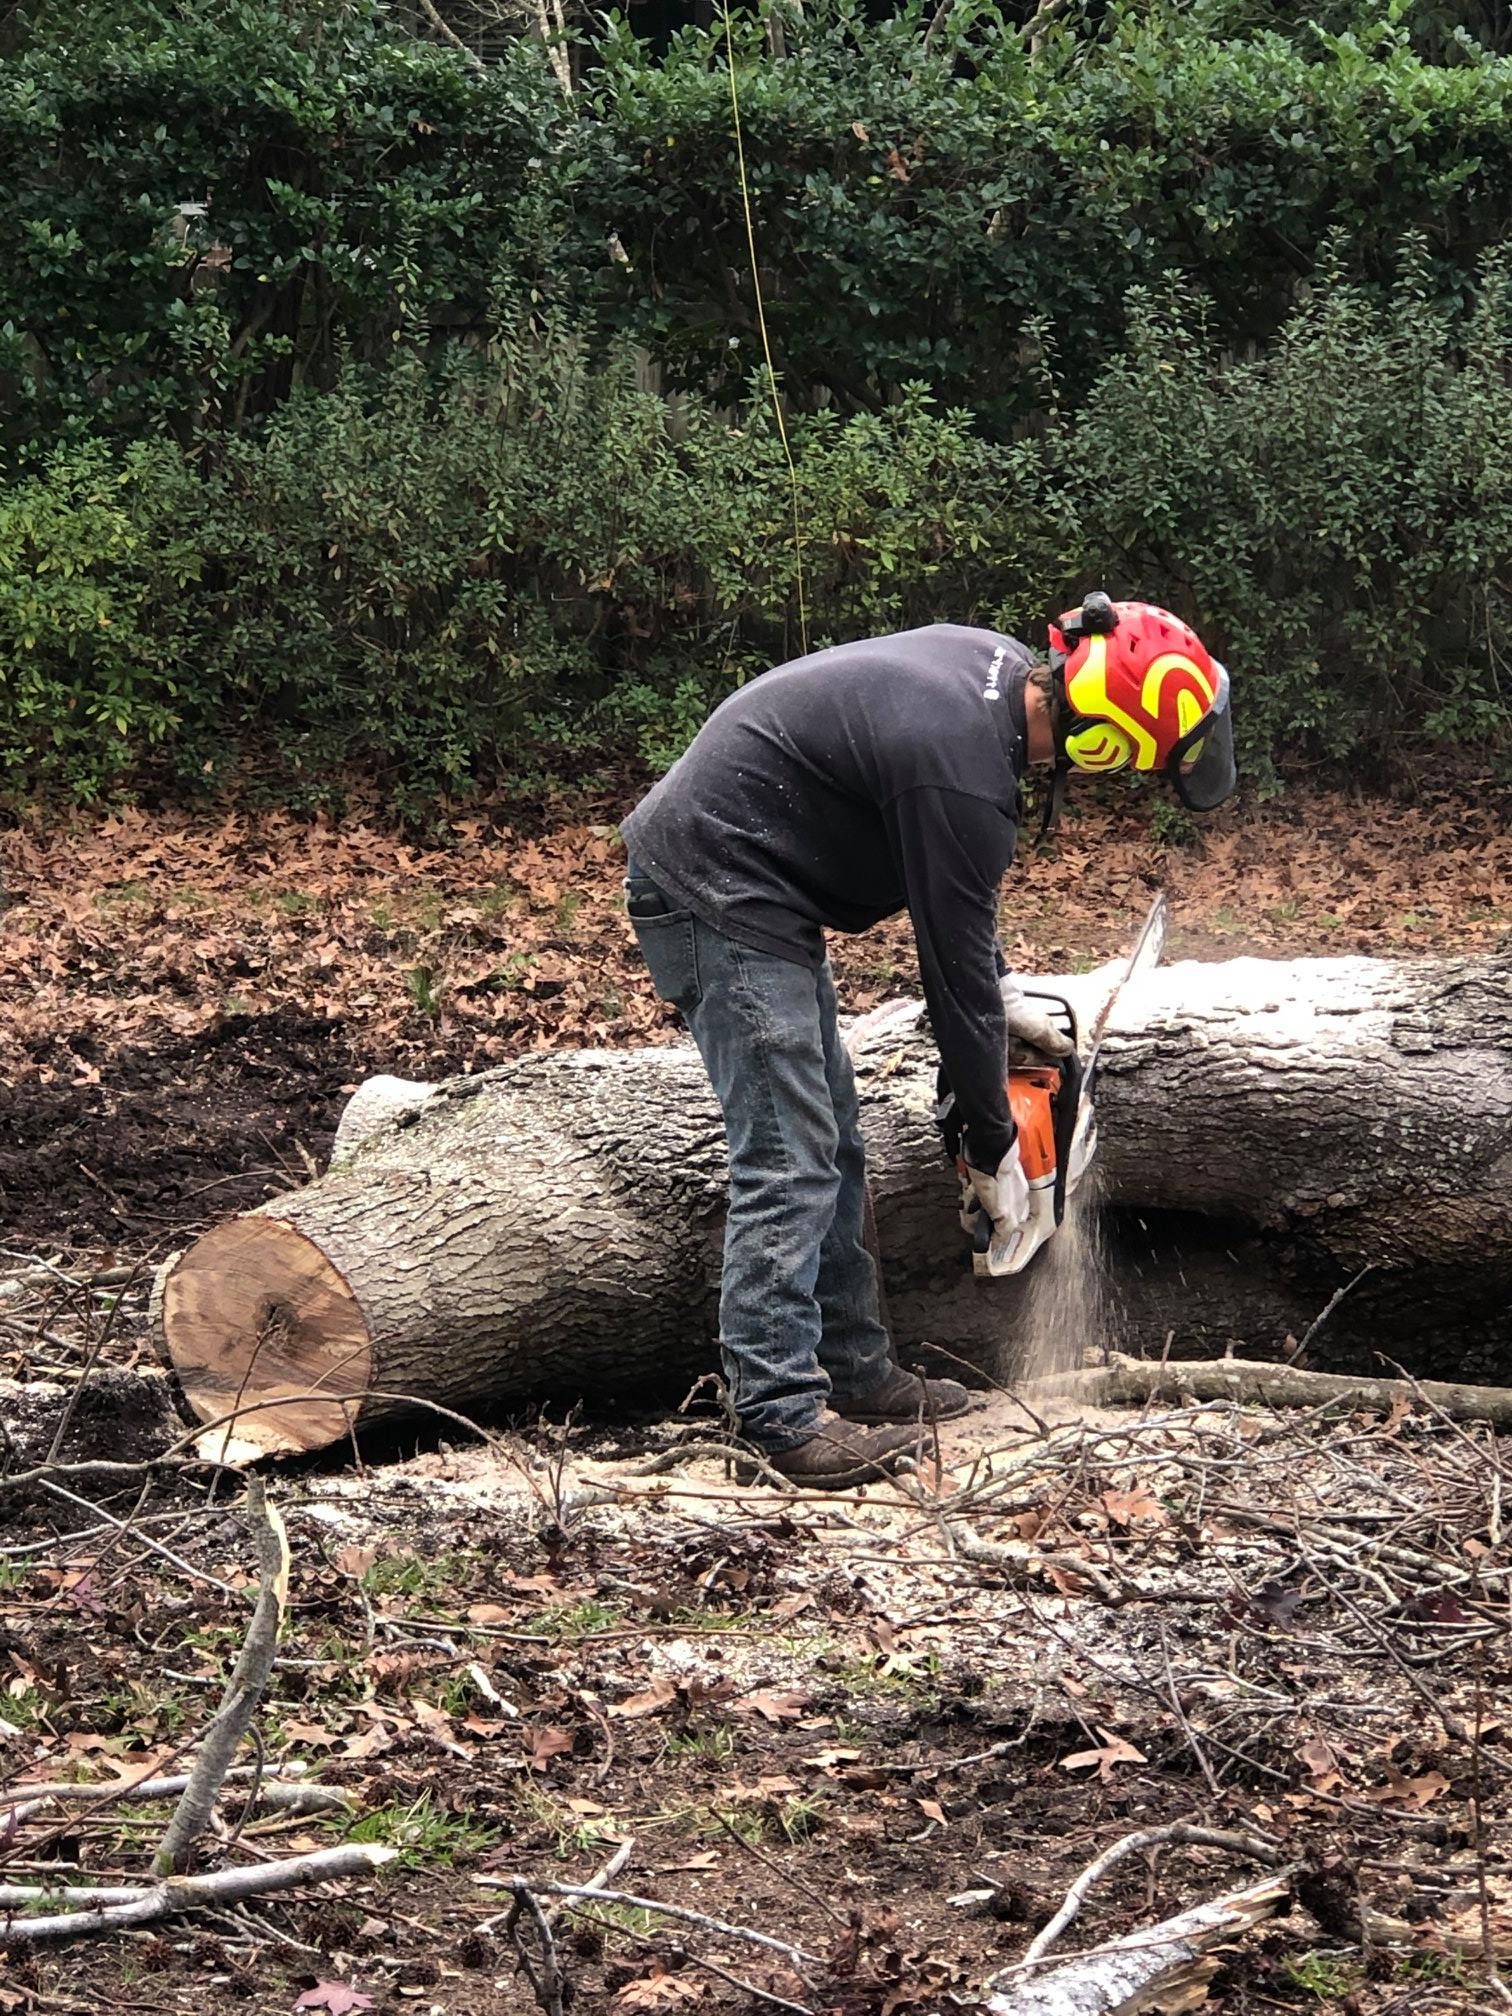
838 1455
904 1396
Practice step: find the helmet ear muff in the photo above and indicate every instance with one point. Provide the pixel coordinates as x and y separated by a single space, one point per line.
1098 746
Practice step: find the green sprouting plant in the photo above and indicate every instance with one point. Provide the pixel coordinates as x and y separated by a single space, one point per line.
423 1832
571 1621
413 1575
705 1746
1327 1976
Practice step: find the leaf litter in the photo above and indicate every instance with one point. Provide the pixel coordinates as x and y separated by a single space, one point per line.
1285 1624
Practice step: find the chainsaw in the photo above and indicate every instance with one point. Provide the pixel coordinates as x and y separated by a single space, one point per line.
1053 1104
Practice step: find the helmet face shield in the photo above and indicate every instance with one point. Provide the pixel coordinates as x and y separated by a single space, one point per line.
1201 766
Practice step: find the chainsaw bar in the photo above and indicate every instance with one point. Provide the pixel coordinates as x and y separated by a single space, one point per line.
1145 957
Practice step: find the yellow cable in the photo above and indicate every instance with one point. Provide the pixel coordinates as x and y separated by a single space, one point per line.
766 344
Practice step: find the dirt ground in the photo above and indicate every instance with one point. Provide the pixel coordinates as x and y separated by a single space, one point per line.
888 1730
185 1003
837 1723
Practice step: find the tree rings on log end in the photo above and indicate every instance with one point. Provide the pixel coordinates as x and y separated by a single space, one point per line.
258 1324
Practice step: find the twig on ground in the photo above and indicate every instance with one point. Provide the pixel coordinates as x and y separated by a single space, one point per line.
92 1358
987 1554
244 1690
749 1987
796 1956
788 1876
124 1526
1295 1357
1126 1380
1179 1835
187 1893
546 1985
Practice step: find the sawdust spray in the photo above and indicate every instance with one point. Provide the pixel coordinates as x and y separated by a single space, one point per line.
1067 1317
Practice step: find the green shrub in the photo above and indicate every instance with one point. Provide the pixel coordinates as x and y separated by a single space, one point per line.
206 207
1337 513
433 579
95 556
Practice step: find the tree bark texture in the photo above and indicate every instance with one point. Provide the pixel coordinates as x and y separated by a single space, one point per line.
1268 1130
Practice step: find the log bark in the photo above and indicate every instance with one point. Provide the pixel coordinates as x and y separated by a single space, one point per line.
1268 1130
1167 1965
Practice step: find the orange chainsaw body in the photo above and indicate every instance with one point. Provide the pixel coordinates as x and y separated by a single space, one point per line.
1031 1101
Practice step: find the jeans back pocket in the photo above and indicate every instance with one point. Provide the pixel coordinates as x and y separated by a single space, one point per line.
669 946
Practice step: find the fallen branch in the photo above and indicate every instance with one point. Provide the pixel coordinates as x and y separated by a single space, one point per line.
243 1691
1180 1835
1126 1382
274 1795
1175 1956
189 1893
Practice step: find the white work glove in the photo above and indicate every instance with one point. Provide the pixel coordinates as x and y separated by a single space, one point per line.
1004 1195
1029 1023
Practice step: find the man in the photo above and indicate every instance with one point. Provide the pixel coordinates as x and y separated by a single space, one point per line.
827 795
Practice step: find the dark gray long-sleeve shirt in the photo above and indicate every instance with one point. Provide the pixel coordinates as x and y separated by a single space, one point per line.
849 785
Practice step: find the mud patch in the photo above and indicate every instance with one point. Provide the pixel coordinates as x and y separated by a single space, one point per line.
175 1134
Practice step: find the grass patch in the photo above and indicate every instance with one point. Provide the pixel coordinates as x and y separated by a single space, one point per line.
702 1746
884 1679
424 1835
572 1621
1328 1977
572 1833
408 1575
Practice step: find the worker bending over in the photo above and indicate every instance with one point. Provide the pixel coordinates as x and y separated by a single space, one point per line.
826 795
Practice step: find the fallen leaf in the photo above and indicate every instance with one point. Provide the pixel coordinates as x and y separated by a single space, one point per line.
339 1997
1134 1507
660 1694
488 1613
859 130
1275 1604
1435 1606
1114 1750
1414 1792
1067 1583
311 1735
1401 1407
438 1725
1319 1758
356 1560
548 1743
372 1743
826 1760
772 1706
660 1990
933 1810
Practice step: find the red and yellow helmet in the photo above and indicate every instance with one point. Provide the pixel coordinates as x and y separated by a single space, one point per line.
1135 685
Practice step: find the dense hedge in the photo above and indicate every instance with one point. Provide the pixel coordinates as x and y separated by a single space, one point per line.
436 579
324 429
204 210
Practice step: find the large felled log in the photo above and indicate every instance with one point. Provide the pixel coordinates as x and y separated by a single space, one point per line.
1268 1130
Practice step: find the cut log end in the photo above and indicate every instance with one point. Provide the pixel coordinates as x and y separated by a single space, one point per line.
260 1326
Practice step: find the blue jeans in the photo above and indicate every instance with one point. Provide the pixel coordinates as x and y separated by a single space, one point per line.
798 1307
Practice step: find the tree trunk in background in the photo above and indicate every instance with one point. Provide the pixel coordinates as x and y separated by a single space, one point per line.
1268 1129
